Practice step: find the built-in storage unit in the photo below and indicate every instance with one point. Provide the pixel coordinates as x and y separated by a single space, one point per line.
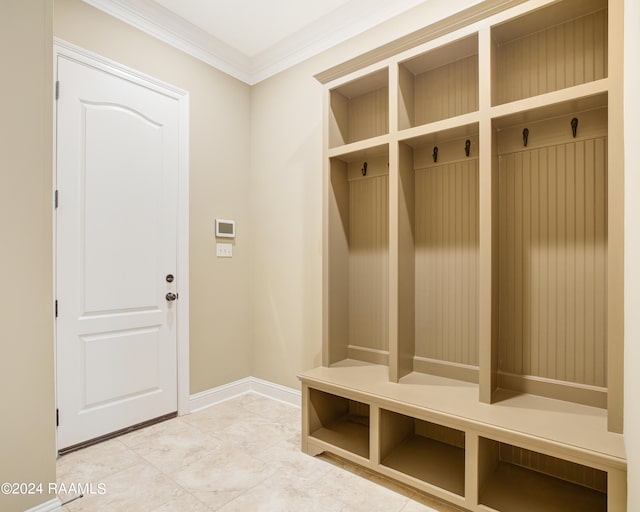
359 217
561 45
514 479
428 452
473 260
439 84
341 422
359 109
439 176
551 230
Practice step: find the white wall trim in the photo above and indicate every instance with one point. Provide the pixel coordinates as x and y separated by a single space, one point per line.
347 21
340 25
276 391
182 260
162 24
213 396
54 505
72 51
219 394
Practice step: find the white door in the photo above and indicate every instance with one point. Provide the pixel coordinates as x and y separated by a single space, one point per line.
117 181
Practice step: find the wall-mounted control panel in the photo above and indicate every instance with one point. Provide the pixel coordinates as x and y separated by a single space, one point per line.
225 228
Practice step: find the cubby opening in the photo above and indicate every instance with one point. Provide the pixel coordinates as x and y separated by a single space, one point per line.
513 479
431 453
358 267
552 48
439 84
339 421
550 250
439 252
359 109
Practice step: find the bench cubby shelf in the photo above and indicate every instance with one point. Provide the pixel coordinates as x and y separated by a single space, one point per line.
433 434
426 451
473 260
340 422
516 479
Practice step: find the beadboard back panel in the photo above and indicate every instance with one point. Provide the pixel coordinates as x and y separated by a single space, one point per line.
446 262
560 56
568 471
369 263
553 262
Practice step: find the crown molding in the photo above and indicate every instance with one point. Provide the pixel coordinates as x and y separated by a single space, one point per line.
340 25
351 19
169 28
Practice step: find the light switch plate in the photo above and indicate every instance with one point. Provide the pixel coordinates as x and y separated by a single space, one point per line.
224 250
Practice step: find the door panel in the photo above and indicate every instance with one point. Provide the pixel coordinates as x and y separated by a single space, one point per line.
133 352
117 176
122 201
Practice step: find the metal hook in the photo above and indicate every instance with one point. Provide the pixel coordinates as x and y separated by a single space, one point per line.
364 169
574 126
525 136
467 147
435 153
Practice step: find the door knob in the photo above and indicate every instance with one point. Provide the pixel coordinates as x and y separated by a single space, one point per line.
171 297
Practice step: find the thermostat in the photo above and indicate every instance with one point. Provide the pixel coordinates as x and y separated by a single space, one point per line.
225 228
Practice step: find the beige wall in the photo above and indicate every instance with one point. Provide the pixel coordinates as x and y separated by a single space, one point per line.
286 199
27 429
219 161
632 250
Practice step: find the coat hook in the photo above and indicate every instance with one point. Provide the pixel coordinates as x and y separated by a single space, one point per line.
525 136
574 126
467 147
364 169
435 153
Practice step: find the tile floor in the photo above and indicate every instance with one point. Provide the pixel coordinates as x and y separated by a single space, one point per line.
240 455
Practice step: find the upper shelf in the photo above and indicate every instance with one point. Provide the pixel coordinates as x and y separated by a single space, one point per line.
532 58
359 109
439 84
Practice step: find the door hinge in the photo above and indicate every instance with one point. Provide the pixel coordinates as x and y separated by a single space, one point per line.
56 308
57 417
57 89
55 199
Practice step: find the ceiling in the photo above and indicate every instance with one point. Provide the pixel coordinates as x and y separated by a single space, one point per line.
252 26
254 39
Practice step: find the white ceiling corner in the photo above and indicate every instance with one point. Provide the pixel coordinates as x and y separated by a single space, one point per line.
252 40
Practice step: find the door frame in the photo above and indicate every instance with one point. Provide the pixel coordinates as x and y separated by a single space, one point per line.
70 51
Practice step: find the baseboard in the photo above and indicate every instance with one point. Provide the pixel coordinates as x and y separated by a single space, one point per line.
276 391
54 505
240 387
219 394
